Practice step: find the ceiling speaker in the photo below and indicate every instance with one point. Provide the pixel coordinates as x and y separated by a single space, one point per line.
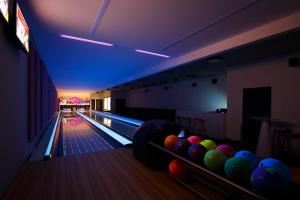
294 62
214 81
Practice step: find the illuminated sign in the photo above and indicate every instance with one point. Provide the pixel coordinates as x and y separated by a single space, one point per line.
74 101
22 29
4 8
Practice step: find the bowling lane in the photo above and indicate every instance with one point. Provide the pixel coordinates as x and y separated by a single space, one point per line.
125 129
79 137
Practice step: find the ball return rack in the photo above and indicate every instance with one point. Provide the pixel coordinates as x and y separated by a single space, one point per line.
199 176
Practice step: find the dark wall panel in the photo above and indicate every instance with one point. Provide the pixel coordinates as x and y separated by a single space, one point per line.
42 95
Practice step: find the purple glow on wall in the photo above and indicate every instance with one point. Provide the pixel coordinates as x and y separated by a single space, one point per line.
152 53
85 40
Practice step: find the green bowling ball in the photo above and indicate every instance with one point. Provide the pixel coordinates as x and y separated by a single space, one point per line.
215 160
238 169
208 144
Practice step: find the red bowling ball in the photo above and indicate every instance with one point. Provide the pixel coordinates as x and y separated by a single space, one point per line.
226 149
177 169
194 139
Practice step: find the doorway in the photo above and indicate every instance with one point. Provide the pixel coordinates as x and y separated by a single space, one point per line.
93 104
120 106
256 103
99 104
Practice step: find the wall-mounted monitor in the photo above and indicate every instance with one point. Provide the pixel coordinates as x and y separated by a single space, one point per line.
4 4
22 29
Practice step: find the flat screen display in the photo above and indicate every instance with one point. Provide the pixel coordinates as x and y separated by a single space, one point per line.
4 8
22 29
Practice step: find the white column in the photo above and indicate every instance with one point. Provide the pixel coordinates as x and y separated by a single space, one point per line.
264 145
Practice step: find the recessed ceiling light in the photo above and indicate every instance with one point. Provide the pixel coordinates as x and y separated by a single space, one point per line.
85 40
213 60
152 53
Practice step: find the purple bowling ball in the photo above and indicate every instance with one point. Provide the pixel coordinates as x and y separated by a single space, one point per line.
182 146
226 149
196 153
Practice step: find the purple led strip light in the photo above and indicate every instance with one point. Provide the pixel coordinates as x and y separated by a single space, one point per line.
86 40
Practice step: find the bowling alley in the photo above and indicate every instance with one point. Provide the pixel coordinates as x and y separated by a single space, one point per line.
149 99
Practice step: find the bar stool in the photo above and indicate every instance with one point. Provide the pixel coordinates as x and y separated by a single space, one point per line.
282 140
198 126
184 123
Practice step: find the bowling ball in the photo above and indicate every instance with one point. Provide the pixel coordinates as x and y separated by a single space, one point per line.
209 144
267 181
170 141
226 149
277 165
248 155
196 153
177 169
215 160
182 146
238 169
194 139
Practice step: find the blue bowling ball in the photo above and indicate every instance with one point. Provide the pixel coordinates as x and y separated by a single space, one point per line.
182 146
267 181
248 155
277 165
196 153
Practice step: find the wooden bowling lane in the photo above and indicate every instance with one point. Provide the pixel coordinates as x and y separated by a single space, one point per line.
125 129
104 175
78 137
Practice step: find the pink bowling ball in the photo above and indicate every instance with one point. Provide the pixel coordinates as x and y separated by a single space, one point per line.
226 149
194 139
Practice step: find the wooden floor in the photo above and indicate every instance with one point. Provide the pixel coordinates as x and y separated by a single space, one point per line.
110 175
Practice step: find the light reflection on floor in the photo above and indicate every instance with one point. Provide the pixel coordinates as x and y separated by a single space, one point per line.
80 138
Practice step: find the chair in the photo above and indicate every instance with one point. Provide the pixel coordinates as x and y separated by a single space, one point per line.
282 141
184 123
198 126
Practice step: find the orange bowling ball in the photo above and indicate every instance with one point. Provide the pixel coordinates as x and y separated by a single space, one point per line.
170 142
177 169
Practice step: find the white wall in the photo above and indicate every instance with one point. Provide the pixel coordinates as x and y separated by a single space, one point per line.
205 97
14 148
275 72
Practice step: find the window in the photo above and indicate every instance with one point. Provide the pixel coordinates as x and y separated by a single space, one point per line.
106 104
